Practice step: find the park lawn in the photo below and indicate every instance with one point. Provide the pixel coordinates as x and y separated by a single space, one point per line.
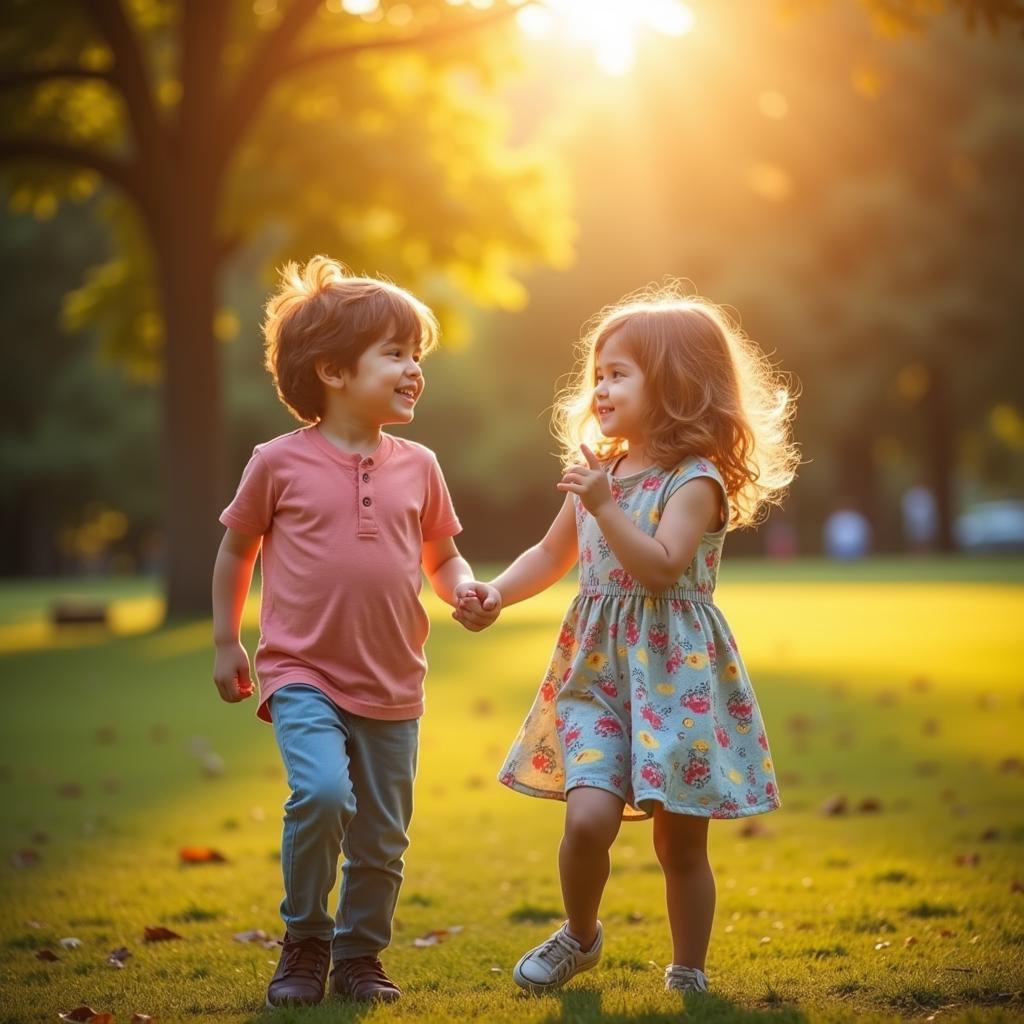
907 693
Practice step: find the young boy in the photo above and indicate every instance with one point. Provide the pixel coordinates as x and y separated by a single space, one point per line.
346 516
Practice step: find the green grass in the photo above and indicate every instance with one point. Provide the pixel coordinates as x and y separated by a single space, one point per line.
907 687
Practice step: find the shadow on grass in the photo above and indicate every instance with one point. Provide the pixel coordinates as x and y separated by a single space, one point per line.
337 1011
584 1006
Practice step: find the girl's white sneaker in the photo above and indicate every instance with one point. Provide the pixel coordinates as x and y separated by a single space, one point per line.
551 964
684 979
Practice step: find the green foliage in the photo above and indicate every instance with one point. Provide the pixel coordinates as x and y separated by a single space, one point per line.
395 159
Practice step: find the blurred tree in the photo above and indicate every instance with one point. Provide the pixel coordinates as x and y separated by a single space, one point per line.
76 452
294 125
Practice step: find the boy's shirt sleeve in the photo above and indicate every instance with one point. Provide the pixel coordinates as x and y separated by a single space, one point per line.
438 518
252 508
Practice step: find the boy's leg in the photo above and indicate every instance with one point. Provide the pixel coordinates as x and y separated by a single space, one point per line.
312 735
382 767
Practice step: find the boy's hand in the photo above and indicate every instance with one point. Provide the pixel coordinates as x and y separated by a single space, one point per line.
590 482
231 673
477 605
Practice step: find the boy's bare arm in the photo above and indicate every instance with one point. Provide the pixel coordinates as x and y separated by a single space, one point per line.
232 576
476 604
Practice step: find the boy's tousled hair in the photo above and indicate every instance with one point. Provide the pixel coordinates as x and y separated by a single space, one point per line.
710 391
322 312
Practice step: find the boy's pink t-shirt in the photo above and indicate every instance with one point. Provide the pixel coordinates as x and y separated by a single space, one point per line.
342 550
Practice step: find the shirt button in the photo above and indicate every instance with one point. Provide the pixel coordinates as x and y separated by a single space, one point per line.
366 478
369 462
367 502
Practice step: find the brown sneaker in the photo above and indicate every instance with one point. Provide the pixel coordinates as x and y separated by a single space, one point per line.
363 978
301 972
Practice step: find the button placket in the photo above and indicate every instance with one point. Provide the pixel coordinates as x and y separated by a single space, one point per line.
365 506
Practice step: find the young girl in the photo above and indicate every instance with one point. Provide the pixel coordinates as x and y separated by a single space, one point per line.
646 708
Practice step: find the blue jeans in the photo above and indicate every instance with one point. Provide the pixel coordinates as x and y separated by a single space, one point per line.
351 781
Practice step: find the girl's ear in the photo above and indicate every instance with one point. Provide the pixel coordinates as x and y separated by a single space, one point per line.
330 375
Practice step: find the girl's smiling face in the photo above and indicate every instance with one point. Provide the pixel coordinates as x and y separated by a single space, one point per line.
618 391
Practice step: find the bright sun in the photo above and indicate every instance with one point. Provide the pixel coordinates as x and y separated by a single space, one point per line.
609 28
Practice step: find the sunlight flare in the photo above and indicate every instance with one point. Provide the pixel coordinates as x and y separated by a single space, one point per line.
610 29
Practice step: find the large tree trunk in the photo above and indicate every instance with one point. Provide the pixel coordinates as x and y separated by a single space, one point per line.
193 412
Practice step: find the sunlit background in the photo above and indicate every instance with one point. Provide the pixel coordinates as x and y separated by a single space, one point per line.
844 176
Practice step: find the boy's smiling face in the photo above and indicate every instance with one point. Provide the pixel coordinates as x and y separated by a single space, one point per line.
386 382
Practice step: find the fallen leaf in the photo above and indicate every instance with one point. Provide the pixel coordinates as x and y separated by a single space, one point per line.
834 806
1011 764
26 858
635 917
920 684
201 855
764 940
1015 886
118 956
39 837
884 944
70 943
483 707
435 936
989 834
141 1018
254 935
159 934
46 954
111 785
87 1013
930 727
69 790
926 767
887 697
968 860
910 940
106 734
870 805
752 829
946 933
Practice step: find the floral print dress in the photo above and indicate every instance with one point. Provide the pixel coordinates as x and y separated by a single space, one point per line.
646 696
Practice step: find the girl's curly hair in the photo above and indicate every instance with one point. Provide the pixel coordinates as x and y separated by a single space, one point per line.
711 392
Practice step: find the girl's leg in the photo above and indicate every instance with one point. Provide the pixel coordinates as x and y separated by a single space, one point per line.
681 843
592 820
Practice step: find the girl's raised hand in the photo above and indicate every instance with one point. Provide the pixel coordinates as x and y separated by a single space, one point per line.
590 482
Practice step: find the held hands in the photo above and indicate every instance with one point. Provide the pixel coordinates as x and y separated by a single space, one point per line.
590 482
476 605
231 673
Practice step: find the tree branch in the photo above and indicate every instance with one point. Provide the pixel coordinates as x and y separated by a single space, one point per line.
302 61
32 76
119 172
129 74
275 61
